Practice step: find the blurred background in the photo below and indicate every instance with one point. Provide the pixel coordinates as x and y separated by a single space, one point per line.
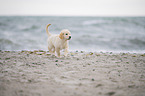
95 25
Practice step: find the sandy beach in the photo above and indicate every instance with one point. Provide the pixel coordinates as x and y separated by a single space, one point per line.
37 73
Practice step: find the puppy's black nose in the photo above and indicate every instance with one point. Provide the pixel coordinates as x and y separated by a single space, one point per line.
69 37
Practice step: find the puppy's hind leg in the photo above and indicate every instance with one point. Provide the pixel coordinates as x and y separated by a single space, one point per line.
53 51
57 51
50 50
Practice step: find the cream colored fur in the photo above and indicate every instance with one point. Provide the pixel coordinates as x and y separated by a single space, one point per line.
58 42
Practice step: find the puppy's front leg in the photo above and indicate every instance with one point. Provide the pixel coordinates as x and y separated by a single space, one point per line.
65 51
58 52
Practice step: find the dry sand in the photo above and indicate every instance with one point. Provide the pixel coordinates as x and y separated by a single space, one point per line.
32 73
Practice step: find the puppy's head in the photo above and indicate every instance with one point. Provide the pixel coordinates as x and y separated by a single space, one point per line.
65 34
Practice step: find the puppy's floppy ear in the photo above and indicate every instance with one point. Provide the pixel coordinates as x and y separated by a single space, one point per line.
61 36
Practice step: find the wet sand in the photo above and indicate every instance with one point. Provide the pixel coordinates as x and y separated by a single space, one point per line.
37 73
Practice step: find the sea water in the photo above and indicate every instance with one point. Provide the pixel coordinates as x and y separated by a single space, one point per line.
107 34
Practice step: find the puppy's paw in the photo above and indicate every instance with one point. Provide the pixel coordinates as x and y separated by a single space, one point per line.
53 56
65 54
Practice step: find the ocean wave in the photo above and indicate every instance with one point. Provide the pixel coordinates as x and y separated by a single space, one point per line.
137 41
6 44
5 41
94 22
33 27
2 24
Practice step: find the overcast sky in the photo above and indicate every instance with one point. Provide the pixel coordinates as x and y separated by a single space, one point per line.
73 7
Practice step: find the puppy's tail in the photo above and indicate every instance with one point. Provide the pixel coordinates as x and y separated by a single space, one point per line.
47 30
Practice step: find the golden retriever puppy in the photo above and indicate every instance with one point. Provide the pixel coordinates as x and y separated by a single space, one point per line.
58 42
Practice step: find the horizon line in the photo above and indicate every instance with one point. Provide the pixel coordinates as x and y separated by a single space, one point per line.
79 15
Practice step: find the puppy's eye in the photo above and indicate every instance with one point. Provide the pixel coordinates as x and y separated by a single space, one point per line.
66 34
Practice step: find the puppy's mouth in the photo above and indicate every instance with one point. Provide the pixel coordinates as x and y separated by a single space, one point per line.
68 39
